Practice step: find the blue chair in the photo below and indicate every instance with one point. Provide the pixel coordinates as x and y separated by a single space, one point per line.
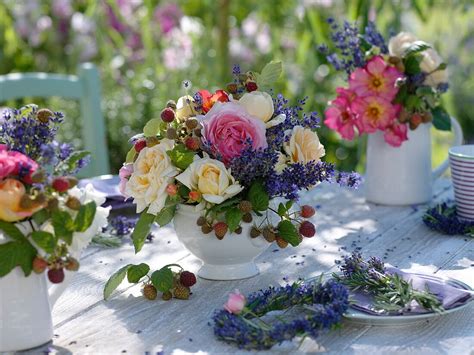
84 87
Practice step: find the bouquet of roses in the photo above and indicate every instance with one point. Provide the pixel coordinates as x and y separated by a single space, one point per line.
44 219
230 152
391 87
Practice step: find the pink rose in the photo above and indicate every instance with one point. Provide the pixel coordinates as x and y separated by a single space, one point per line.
124 173
7 164
24 166
236 302
396 134
228 127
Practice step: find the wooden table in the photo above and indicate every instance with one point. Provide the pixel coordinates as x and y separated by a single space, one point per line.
128 323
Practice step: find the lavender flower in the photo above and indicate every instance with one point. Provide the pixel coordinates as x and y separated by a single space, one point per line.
443 218
375 38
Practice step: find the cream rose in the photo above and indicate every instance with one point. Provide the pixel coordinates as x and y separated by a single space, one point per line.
281 164
185 108
304 146
398 44
259 104
431 61
152 172
211 178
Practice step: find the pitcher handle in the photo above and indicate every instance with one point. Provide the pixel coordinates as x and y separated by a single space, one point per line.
56 290
458 138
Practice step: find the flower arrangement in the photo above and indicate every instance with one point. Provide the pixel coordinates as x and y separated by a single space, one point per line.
44 217
230 152
241 323
392 87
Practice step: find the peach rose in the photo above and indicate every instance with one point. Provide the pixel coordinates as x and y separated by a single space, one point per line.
304 146
11 192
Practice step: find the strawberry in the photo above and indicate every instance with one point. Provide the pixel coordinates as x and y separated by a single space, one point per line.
167 115
56 276
61 184
220 228
187 279
139 145
307 211
307 229
39 265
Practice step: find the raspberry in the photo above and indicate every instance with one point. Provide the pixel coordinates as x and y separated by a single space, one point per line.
238 230
282 243
56 276
61 184
220 228
245 206
191 123
206 229
139 145
247 218
254 232
415 121
307 229
149 292
307 211
201 221
72 264
181 292
171 104
269 235
187 279
73 203
251 86
167 115
39 265
192 143
166 296
44 115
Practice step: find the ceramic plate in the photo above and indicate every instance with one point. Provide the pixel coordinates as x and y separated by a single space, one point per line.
105 185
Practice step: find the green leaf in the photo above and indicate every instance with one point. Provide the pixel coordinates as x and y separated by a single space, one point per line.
270 73
8 257
166 215
181 156
152 127
63 225
281 209
412 64
17 253
288 232
114 281
233 217
45 241
184 191
136 272
12 231
74 158
41 216
289 204
162 279
401 95
258 196
415 48
442 66
412 103
441 119
85 216
141 230
425 90
131 155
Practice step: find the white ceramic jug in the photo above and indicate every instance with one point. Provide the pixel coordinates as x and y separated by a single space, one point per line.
25 305
402 175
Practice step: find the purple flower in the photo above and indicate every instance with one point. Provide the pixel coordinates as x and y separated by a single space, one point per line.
168 16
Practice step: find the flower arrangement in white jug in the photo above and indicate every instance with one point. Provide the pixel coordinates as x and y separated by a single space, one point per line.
230 153
44 217
392 87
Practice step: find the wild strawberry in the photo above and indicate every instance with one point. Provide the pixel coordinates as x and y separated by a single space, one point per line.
220 228
181 292
167 115
254 232
247 218
251 86
194 196
187 279
171 189
307 229
282 243
56 276
72 264
307 211
149 292
192 143
245 206
61 184
39 265
166 296
139 145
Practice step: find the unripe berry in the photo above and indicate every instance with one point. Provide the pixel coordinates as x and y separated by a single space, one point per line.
72 264
73 203
220 229
172 189
191 123
39 265
194 196
44 115
171 104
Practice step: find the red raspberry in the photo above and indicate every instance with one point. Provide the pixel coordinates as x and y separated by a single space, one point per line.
171 189
56 276
192 143
220 228
307 229
139 145
251 86
39 265
167 115
61 184
187 279
307 211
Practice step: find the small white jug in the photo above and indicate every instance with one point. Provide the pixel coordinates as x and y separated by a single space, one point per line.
25 305
402 175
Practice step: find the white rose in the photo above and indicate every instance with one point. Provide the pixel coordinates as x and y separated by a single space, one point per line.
211 178
281 164
275 121
398 44
152 172
258 104
185 108
304 146
431 61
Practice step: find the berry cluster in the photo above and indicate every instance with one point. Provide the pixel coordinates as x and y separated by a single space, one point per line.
243 82
181 289
55 266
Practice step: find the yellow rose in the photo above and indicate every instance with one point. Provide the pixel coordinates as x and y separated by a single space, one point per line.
185 108
259 104
153 171
11 192
211 178
304 146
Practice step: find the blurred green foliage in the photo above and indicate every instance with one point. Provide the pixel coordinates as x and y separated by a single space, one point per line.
146 48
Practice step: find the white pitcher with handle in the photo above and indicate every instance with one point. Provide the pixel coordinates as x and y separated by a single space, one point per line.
402 175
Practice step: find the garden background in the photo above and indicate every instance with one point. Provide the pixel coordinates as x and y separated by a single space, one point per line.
144 49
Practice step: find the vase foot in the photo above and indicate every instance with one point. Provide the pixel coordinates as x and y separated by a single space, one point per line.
228 272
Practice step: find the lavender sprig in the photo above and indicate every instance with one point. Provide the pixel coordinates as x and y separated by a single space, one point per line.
443 218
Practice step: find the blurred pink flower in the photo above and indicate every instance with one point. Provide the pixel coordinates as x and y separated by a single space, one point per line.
236 302
61 8
7 165
339 115
168 16
376 79
228 127
124 173
396 133
374 113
